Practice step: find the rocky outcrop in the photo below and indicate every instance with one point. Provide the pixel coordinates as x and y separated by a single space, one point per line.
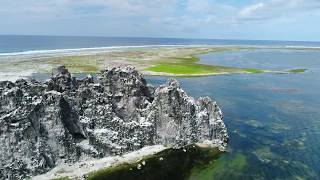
66 119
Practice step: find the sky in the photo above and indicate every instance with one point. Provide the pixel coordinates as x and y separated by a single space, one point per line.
209 19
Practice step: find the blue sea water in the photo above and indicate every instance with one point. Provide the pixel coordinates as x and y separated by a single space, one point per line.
20 43
273 119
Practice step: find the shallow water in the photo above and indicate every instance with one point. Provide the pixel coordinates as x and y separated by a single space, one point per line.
273 119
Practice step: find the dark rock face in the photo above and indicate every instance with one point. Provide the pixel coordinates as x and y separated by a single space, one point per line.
65 119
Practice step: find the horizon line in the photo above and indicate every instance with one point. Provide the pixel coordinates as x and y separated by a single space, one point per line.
148 37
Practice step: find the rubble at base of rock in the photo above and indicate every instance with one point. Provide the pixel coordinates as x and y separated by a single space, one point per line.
65 119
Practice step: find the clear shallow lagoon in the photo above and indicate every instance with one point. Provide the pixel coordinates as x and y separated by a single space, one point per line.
273 119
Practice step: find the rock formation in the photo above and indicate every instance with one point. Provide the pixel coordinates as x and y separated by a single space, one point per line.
64 119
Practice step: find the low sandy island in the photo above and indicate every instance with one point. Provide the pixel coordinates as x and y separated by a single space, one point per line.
150 60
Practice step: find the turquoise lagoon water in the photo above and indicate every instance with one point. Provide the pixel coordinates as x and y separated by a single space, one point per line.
273 119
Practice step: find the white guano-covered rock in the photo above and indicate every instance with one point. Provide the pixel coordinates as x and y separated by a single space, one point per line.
66 120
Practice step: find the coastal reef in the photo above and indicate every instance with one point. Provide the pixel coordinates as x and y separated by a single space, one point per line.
66 120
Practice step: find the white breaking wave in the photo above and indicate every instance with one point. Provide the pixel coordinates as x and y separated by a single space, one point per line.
93 49
117 48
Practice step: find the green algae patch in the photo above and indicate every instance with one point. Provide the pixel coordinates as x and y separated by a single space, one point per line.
169 164
239 162
226 167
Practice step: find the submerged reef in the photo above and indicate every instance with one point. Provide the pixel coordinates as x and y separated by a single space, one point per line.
66 119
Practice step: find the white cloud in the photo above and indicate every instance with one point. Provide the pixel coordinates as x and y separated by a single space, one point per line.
277 9
123 8
133 7
206 9
198 6
248 11
151 17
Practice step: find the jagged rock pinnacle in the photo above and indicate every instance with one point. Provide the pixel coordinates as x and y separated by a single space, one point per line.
65 119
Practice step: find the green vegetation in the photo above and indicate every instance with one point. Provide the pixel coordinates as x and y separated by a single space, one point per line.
169 164
189 66
297 70
251 70
77 64
172 61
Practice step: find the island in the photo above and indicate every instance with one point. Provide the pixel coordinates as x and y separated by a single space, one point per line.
152 60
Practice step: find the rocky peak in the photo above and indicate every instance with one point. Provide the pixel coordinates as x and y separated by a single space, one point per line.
124 81
66 120
61 80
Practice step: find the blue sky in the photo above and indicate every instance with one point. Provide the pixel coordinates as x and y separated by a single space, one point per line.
218 19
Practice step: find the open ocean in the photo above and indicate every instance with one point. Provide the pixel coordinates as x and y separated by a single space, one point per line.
34 44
